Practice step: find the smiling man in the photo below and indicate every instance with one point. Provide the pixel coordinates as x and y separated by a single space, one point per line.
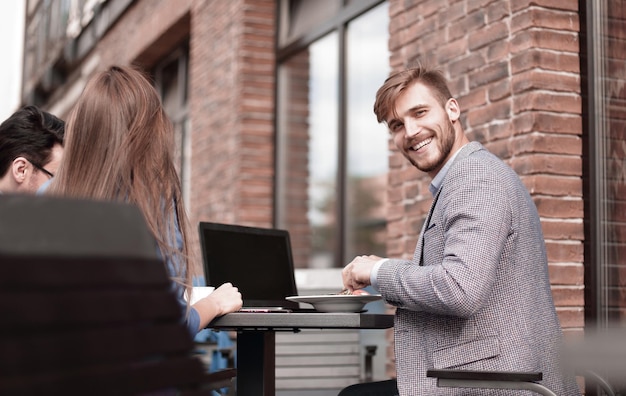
476 295
31 147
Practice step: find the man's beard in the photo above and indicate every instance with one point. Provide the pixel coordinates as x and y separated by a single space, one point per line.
445 144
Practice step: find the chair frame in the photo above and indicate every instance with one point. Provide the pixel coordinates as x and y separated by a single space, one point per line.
490 380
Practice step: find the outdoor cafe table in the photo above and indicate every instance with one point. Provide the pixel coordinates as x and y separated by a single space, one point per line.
256 340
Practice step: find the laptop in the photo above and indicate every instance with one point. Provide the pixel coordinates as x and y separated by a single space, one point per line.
256 260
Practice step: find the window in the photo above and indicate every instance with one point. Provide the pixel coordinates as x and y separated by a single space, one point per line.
332 155
604 70
170 79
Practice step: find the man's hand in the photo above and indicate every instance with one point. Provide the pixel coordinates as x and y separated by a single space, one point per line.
356 275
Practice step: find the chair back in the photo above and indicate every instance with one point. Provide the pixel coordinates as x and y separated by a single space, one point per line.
87 306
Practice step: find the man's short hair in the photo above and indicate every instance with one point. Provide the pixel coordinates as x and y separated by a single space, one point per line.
398 82
30 133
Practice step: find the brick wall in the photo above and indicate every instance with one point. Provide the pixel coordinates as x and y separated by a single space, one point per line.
514 67
232 104
231 92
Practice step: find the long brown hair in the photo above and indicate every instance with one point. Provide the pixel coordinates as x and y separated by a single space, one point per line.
119 147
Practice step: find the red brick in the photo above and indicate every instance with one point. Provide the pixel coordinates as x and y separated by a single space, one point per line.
571 317
428 42
479 133
454 12
489 74
451 50
463 65
494 111
473 21
395 247
546 39
496 51
548 123
547 60
547 101
500 148
395 228
474 98
567 274
500 130
566 165
545 18
410 191
419 26
499 90
546 80
479 4
427 8
565 296
497 11
394 194
396 160
458 86
560 207
546 143
553 185
563 230
482 37
565 251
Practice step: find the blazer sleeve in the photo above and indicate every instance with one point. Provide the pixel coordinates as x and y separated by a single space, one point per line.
462 243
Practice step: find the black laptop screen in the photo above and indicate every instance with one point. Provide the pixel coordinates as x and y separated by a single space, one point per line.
256 260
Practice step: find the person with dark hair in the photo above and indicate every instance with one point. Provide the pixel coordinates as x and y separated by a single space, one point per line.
119 147
476 295
31 147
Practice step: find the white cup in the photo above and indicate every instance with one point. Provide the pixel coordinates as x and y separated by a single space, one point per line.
198 293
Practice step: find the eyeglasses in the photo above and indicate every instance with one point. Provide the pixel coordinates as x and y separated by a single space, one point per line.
41 168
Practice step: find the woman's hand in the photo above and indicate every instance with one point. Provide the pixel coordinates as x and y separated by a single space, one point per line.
225 299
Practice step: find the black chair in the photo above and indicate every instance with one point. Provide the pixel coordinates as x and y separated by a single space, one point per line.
87 307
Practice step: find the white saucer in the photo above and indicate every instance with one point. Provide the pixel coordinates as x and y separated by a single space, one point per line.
337 302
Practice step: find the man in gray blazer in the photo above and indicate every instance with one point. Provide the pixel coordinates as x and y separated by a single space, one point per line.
476 295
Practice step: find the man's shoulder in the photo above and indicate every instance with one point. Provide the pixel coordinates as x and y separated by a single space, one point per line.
478 155
475 164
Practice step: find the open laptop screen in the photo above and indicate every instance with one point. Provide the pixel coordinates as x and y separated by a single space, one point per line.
256 260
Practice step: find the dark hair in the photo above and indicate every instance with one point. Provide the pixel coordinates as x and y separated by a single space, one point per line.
31 133
398 82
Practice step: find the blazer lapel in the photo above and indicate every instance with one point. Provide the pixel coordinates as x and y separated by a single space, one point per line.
419 250
418 256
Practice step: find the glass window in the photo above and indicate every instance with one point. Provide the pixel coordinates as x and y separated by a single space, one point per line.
332 153
367 154
605 170
322 165
170 78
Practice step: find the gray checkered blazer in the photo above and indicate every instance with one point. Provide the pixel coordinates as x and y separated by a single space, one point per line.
481 299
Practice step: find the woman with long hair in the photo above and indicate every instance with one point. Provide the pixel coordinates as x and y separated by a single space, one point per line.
118 147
